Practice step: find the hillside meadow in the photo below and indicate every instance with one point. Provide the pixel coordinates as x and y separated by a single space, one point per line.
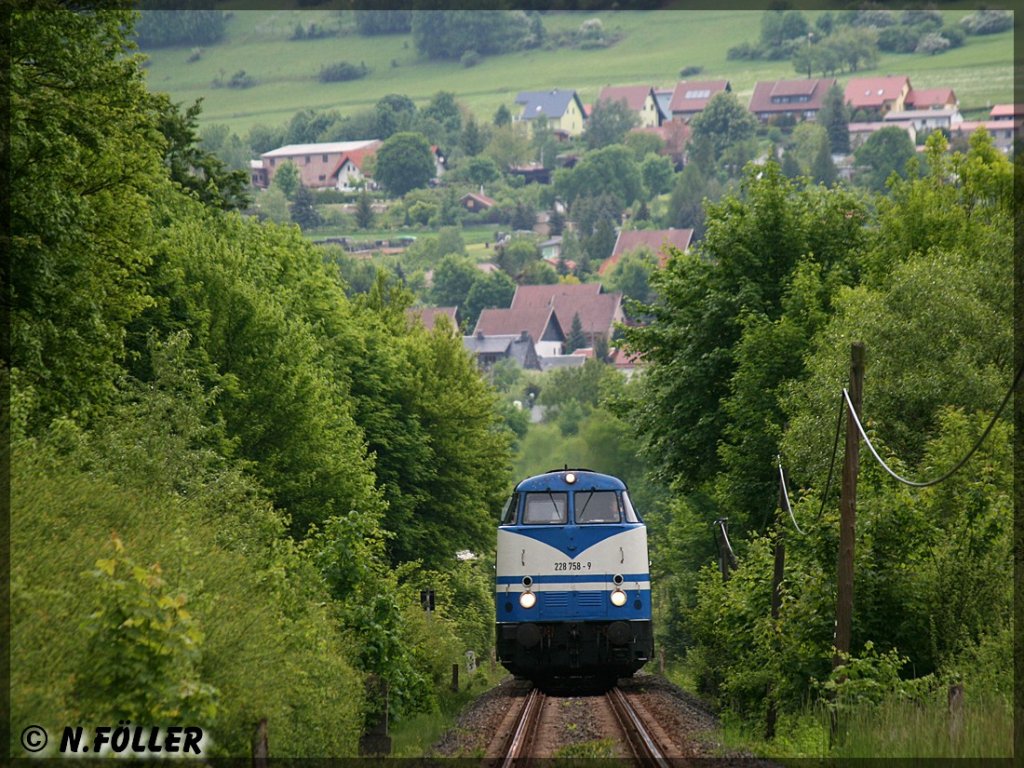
652 48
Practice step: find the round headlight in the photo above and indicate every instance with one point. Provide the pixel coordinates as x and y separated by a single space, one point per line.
570 478
528 599
618 598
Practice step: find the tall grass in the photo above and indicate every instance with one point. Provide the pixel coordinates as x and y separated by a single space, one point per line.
900 728
894 728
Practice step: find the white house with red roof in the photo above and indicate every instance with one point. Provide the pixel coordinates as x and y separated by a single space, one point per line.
657 241
690 97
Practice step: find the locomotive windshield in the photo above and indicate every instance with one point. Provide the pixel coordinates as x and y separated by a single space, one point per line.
545 508
597 507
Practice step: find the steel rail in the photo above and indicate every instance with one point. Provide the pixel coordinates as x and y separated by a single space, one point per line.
645 749
525 730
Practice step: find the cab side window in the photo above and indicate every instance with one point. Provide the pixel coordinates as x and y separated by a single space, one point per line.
508 514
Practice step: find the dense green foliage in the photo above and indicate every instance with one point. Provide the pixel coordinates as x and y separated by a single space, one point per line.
748 352
229 480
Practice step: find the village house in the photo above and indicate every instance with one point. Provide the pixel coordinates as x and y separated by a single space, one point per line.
559 109
541 325
925 120
598 311
475 202
488 350
790 99
878 95
690 98
641 100
932 98
657 241
336 164
861 132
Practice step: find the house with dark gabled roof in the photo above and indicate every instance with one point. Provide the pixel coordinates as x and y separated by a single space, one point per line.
488 350
598 311
540 323
657 241
562 110
792 99
641 100
690 98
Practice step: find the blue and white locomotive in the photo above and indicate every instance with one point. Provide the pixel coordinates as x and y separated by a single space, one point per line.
573 588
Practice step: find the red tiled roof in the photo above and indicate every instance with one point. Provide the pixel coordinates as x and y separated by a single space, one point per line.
533 320
689 96
429 315
633 95
930 97
357 157
1006 110
597 310
874 92
653 239
761 101
484 200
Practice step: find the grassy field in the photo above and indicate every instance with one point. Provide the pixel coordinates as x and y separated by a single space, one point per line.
654 46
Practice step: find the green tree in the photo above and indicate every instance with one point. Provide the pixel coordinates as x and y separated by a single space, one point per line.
575 339
723 125
453 278
404 162
198 171
493 291
364 210
303 209
286 179
502 116
611 170
393 113
886 152
473 139
823 170
608 123
835 117
82 203
657 173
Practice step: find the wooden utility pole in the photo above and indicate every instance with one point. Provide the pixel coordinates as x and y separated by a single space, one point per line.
848 507
779 572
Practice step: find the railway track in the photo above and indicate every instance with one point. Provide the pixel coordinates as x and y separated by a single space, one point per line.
521 745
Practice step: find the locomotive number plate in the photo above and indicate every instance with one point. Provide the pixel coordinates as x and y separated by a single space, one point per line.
571 565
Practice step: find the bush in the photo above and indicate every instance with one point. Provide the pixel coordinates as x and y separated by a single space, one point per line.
987 22
341 71
744 51
690 71
470 59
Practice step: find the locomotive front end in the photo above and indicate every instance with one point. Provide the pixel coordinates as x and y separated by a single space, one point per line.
572 592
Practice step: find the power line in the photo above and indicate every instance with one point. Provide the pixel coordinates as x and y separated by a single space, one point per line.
959 464
785 495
